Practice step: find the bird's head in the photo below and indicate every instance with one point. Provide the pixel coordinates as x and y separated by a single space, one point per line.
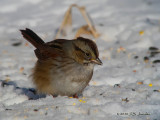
86 51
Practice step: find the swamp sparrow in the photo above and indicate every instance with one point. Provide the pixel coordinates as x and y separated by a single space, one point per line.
64 67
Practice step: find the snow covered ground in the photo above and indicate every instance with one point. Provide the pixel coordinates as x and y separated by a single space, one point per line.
126 87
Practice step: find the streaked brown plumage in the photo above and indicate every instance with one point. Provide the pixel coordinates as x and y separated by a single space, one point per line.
64 67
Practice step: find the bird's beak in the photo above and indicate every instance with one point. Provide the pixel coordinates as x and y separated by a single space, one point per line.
97 61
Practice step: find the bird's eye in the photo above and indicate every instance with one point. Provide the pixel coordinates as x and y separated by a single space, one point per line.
88 56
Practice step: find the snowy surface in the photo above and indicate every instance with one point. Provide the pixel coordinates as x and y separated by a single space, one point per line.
126 87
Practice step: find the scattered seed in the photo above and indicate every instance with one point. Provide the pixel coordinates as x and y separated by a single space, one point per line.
146 59
46 113
35 110
139 83
121 49
126 100
21 69
156 61
150 85
26 44
134 71
24 74
153 49
141 32
133 89
101 24
135 57
94 83
17 44
7 109
156 90
117 85
152 54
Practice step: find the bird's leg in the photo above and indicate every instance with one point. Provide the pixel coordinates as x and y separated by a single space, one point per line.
75 96
54 96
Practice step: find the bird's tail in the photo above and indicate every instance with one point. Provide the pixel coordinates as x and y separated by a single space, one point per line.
32 37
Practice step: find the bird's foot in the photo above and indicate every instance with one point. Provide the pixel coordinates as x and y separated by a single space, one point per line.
54 96
75 96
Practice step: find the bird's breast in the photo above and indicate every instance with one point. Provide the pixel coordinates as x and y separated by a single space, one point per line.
71 77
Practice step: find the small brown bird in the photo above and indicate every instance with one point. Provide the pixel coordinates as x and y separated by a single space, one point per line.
64 67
